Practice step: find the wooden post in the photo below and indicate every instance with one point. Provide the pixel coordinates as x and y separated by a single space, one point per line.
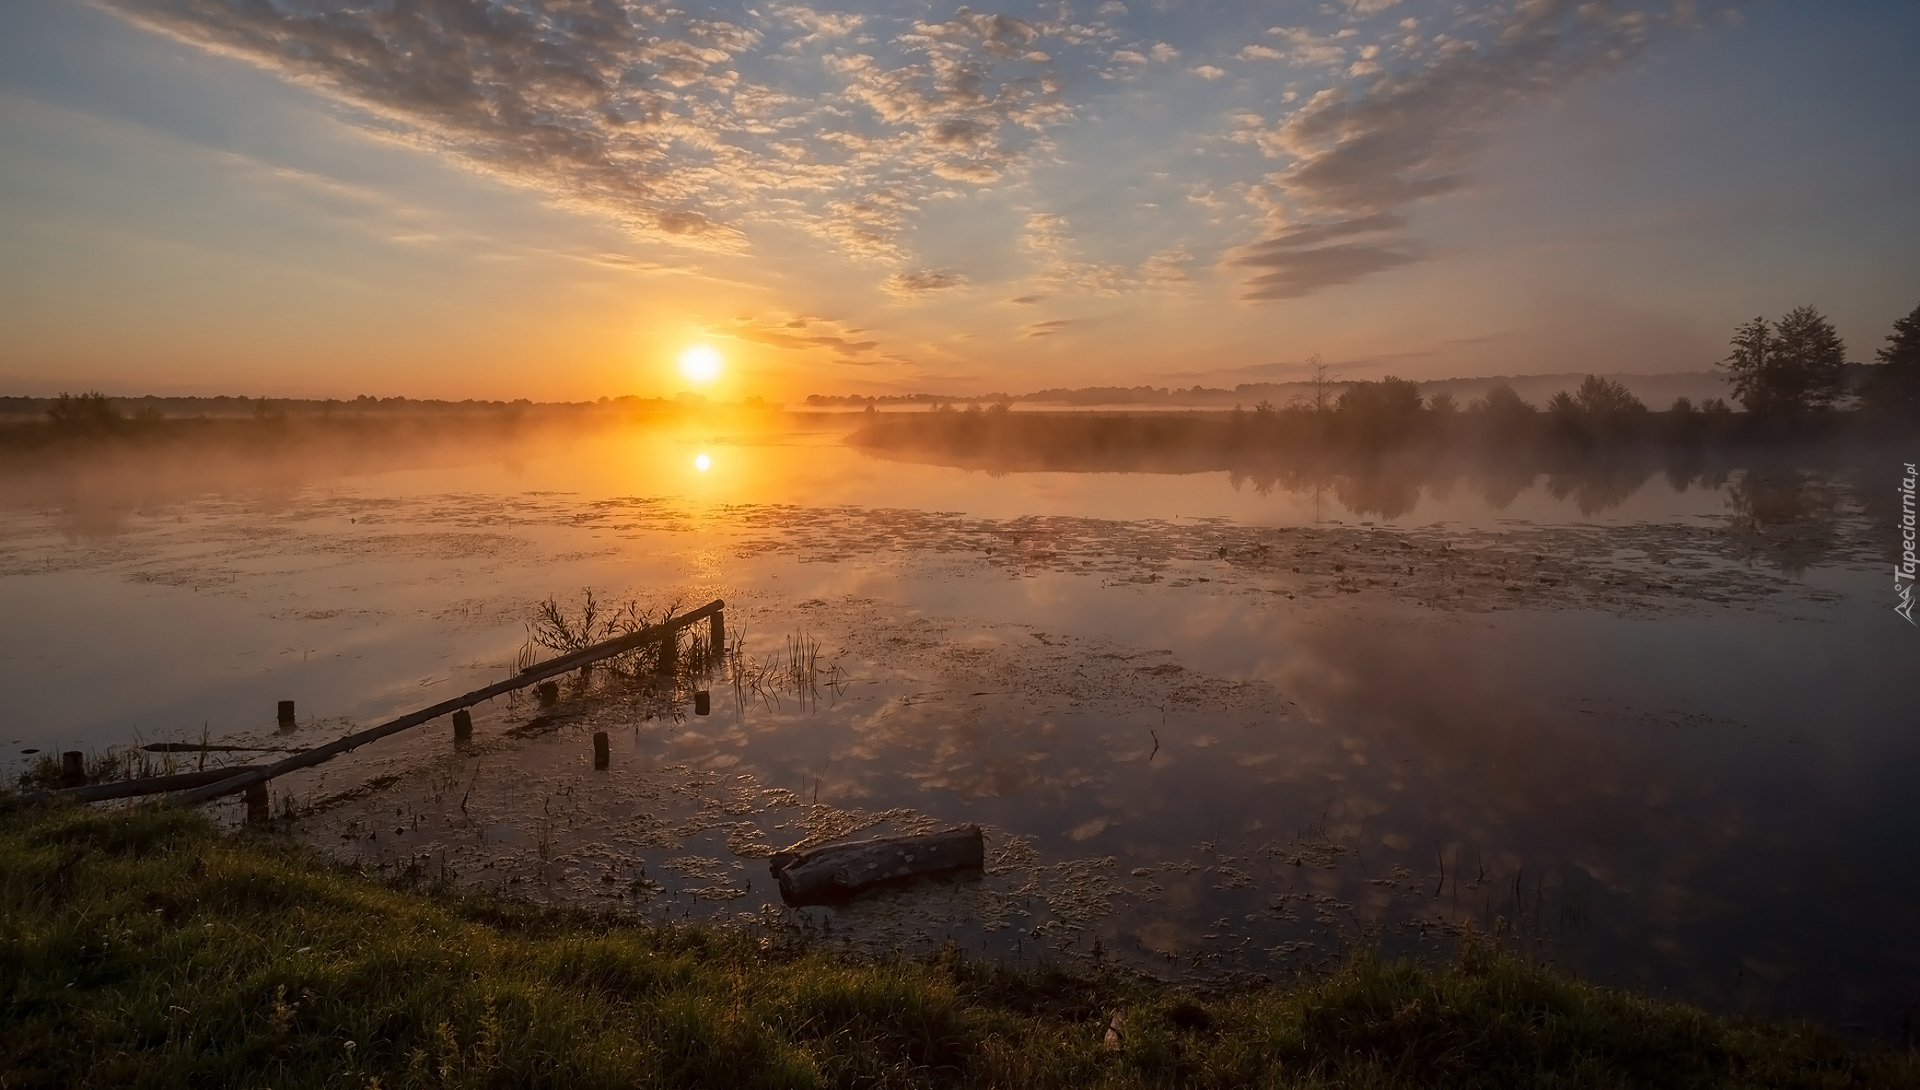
73 769
549 692
717 638
669 652
702 702
462 725
600 756
286 713
256 796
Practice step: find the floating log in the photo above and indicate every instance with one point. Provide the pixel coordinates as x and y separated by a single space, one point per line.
839 871
534 674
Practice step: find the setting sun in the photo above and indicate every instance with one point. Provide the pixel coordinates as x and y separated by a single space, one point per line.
702 463
700 364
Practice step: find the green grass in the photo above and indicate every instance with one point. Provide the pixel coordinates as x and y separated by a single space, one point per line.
143 948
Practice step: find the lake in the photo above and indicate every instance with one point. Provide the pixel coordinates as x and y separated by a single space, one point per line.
1657 728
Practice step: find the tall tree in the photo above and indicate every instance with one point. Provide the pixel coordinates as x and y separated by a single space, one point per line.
1746 366
1809 360
1894 385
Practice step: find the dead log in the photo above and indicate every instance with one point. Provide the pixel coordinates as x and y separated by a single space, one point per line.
126 789
839 871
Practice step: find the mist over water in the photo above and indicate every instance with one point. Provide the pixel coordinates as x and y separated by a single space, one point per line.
1649 721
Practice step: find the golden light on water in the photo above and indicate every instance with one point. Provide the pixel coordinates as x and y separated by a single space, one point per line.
700 364
702 463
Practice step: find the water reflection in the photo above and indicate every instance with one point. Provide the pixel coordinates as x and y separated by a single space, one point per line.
1208 742
1787 518
1268 788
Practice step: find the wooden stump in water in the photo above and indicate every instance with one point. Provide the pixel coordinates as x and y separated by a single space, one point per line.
669 653
256 796
600 754
839 871
717 638
286 713
462 725
549 692
702 702
73 769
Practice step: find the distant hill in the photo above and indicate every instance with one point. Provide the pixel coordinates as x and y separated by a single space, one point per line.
1658 391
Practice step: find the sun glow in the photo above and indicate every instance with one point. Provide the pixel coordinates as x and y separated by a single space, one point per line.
700 364
702 463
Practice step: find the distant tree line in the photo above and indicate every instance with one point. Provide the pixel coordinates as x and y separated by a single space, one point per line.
1786 375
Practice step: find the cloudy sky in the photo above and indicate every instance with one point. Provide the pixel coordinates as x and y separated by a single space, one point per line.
553 198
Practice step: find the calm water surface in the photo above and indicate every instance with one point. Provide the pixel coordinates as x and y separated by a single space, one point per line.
1212 725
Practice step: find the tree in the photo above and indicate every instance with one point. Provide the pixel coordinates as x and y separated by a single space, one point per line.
1809 360
1319 398
1508 417
1793 366
1746 366
1379 411
90 411
1606 398
1894 384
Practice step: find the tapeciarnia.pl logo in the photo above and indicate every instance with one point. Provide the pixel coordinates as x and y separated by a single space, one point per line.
1903 572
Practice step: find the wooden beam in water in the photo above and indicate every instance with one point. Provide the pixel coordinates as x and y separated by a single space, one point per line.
532 675
126 789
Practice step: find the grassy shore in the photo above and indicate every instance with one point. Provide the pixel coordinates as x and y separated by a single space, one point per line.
145 948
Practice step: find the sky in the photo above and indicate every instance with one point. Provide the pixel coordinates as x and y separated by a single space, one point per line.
555 199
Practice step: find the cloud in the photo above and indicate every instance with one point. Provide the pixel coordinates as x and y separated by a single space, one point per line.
1305 48
801 334
579 107
1290 273
913 285
697 128
1045 329
1361 154
650 114
1050 242
1408 136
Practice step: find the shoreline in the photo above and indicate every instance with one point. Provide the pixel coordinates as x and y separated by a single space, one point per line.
143 946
